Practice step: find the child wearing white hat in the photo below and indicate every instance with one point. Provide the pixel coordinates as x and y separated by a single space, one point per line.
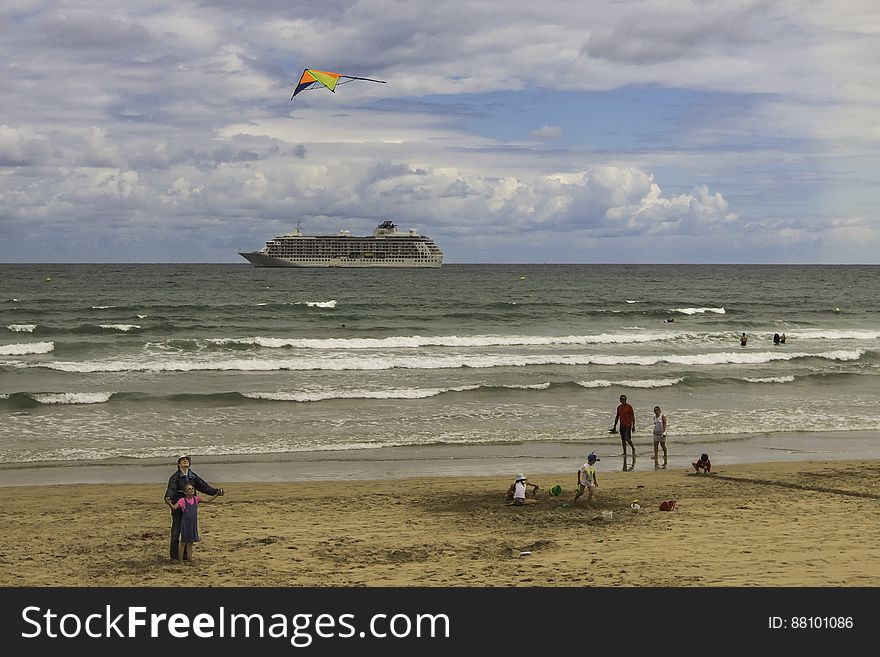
518 493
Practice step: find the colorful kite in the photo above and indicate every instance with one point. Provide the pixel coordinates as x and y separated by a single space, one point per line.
312 79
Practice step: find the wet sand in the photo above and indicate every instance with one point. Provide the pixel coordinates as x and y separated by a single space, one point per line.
497 459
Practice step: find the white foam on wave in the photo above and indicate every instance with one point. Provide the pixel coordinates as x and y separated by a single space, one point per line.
22 328
317 304
630 301
638 383
102 307
320 395
726 358
761 357
142 316
696 311
71 397
400 393
27 348
417 341
386 362
650 383
770 379
597 383
125 328
826 334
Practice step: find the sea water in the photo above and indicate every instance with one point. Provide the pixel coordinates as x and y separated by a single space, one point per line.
138 361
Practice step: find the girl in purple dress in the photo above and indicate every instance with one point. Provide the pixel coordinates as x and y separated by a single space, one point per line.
189 522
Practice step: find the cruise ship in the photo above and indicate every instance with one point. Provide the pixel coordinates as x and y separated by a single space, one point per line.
386 247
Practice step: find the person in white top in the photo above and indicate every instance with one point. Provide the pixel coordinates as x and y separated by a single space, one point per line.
659 435
518 493
587 480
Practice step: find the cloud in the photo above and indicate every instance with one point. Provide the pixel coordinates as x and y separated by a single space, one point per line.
547 132
22 146
683 213
663 33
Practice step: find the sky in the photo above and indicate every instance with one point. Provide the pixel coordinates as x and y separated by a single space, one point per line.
596 131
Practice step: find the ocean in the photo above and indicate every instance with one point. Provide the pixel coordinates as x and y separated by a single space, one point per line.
145 361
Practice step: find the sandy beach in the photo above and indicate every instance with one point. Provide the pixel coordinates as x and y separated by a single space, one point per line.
769 524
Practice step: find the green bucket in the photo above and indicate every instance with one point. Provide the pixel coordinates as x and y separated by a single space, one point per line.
556 490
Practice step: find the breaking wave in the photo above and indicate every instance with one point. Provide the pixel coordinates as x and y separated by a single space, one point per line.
22 328
430 362
27 348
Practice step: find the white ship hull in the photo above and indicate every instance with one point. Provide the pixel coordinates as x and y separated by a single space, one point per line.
386 248
260 259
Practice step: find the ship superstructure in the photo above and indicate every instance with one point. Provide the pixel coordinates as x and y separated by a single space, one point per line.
386 247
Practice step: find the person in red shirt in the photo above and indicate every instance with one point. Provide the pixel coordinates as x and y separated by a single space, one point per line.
626 416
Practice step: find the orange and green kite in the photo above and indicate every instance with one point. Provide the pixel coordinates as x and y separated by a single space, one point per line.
312 79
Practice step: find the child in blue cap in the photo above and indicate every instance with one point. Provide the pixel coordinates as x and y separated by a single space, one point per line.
587 479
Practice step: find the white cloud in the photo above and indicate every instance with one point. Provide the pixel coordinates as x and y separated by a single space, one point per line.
22 146
547 132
